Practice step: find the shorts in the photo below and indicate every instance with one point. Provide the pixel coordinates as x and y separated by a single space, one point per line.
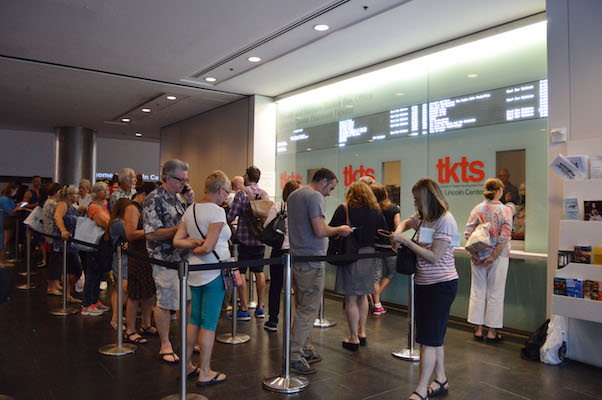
250 253
384 268
167 284
432 304
207 303
124 267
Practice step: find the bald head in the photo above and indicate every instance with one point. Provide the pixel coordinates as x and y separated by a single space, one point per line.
503 175
238 183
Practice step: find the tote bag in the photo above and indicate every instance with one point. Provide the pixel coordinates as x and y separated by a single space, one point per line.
347 246
34 220
479 238
87 231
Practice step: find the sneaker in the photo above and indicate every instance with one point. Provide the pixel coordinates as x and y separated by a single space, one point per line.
302 367
103 285
271 326
91 311
242 315
101 306
314 358
379 311
259 313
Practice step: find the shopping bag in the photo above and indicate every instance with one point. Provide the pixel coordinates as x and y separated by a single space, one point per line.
479 238
553 350
87 231
34 220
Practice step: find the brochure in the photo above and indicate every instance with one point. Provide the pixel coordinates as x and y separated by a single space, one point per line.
581 162
566 169
583 254
597 256
591 290
595 167
592 210
560 286
571 209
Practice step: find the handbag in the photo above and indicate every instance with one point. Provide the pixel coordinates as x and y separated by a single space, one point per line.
87 231
34 220
479 238
347 246
406 258
273 234
231 276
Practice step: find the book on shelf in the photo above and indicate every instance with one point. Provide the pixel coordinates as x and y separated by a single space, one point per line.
591 290
595 167
597 255
571 209
574 288
581 163
583 254
560 286
592 210
565 257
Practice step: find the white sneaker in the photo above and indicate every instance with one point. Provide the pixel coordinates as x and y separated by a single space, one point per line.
103 285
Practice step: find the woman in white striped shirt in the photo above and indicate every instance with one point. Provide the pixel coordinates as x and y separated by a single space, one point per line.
436 281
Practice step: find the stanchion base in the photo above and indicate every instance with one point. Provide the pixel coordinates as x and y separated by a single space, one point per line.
189 396
64 311
114 350
407 354
252 305
323 323
25 286
280 384
32 273
229 339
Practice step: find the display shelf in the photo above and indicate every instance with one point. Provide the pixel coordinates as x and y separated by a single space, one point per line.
592 272
574 307
580 233
588 189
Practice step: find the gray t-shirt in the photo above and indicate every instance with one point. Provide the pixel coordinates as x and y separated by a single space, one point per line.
303 205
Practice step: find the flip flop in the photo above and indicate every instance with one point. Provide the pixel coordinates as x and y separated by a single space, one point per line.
138 340
497 339
194 373
172 354
148 331
213 381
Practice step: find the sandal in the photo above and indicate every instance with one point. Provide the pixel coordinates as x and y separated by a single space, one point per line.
171 354
195 372
440 391
213 381
478 338
363 341
497 339
148 331
138 340
418 394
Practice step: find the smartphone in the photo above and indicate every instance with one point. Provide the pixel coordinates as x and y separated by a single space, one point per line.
23 204
185 190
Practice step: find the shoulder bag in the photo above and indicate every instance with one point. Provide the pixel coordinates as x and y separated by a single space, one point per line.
273 234
231 276
406 258
347 246
479 238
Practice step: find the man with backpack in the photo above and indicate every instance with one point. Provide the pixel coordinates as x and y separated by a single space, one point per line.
250 205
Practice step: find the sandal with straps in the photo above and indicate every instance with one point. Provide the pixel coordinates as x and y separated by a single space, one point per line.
439 391
418 394
138 340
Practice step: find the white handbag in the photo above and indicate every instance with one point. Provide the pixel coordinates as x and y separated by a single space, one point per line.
34 220
87 231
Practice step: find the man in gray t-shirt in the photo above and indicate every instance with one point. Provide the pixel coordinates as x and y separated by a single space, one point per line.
308 233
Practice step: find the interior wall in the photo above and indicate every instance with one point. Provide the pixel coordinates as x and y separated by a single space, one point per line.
218 139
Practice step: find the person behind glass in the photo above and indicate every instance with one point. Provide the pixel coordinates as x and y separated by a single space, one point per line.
141 286
356 280
277 270
8 208
99 213
490 266
161 215
384 268
436 281
54 264
65 221
510 191
84 196
204 232
126 190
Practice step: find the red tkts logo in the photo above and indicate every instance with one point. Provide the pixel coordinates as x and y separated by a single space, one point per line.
291 177
448 170
351 174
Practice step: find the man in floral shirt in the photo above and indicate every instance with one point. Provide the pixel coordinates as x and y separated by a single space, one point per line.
162 213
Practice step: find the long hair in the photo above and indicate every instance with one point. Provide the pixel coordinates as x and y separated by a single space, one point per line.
430 200
380 192
289 188
8 188
117 212
360 195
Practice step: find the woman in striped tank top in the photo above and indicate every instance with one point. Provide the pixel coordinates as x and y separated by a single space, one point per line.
436 281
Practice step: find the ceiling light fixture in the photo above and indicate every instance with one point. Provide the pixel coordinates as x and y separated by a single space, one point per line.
125 120
349 106
308 149
472 75
321 27
400 94
171 97
254 59
138 134
146 110
210 79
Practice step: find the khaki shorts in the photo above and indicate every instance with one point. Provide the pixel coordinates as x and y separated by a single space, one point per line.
167 284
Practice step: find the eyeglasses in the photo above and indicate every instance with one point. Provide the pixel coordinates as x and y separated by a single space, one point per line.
183 181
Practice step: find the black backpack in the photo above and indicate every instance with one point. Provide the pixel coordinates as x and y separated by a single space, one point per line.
533 345
106 248
273 234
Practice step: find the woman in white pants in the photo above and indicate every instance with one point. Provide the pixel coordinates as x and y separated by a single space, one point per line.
490 266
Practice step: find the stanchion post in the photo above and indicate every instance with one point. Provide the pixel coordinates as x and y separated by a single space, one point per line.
234 337
286 383
322 322
409 353
64 310
28 285
118 349
252 303
183 275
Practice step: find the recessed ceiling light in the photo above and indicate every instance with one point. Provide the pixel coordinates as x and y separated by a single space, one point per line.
146 110
349 106
399 94
254 59
125 120
138 134
472 75
171 97
210 79
308 149
321 27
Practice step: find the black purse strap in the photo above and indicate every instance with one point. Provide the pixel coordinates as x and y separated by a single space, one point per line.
347 220
199 229
415 232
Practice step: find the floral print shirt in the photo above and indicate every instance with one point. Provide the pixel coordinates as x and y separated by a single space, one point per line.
500 217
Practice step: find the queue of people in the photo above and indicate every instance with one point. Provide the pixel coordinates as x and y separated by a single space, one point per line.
165 223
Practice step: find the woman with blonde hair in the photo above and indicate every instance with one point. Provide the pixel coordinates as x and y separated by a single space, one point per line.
436 281
356 280
490 266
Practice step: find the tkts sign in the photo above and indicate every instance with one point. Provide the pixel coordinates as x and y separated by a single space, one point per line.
352 175
292 177
463 171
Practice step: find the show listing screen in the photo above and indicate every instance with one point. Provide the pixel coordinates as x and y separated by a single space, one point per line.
513 103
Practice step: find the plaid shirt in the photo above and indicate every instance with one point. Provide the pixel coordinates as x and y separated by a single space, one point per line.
241 206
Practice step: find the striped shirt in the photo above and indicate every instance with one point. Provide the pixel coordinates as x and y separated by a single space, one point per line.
443 270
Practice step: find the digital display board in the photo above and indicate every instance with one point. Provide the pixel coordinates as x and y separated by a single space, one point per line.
508 104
